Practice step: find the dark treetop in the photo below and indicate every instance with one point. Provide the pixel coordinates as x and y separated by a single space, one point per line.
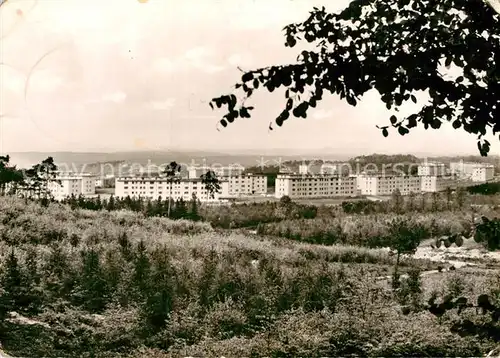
397 48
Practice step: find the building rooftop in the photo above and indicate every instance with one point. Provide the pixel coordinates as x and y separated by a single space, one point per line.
74 175
158 179
311 176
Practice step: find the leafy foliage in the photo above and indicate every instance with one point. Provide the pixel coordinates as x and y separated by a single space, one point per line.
172 173
484 189
488 232
211 182
395 47
97 283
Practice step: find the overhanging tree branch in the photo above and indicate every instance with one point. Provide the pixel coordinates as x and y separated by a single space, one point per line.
396 47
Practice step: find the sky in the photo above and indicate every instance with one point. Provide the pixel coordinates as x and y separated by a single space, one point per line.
113 75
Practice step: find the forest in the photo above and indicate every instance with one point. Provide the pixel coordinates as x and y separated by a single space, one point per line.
97 278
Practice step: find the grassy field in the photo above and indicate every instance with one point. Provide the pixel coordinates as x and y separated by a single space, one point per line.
119 284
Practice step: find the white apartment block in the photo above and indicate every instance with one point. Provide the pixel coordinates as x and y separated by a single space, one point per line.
477 172
155 187
248 184
386 185
432 184
329 168
434 169
304 169
68 184
315 186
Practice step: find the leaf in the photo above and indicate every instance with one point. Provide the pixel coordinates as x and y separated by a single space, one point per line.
232 101
412 121
402 130
413 98
385 132
456 124
297 112
244 112
460 79
290 41
351 100
247 77
223 123
393 119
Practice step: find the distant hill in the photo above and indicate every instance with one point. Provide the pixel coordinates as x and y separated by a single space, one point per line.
94 161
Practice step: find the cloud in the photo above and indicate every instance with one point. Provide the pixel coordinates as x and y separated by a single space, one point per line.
200 58
237 59
162 105
116 97
208 68
322 114
164 65
197 54
39 81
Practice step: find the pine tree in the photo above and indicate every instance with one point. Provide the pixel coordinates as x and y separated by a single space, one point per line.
158 207
160 299
435 198
125 246
194 208
397 201
98 203
34 294
111 203
181 210
460 197
142 269
11 281
149 210
93 286
423 203
411 201
57 272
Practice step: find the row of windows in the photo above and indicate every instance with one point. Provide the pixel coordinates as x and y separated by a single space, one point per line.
320 180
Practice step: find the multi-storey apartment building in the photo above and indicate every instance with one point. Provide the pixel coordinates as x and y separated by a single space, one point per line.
155 187
67 184
431 184
477 172
315 186
247 184
433 169
238 184
370 184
